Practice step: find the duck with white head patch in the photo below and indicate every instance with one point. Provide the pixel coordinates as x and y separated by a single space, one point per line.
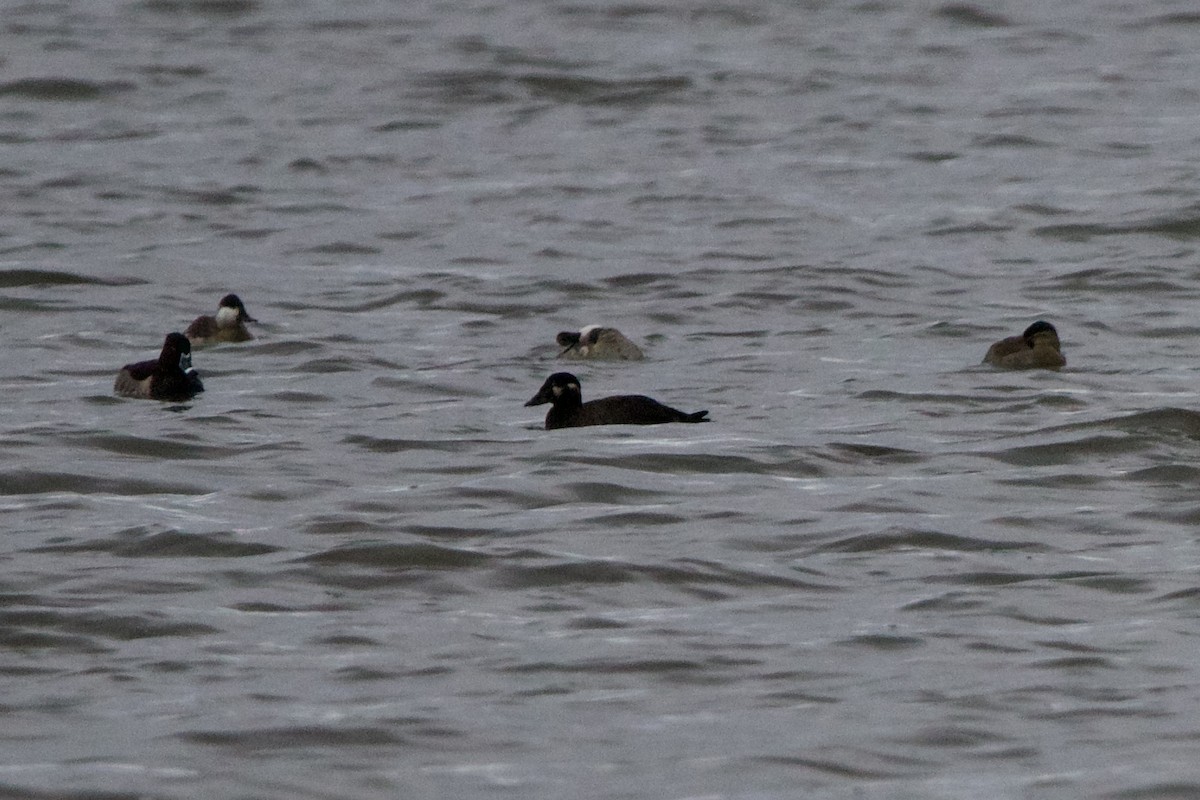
229 324
567 409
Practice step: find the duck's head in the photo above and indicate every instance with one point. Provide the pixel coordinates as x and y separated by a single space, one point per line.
230 311
558 386
176 351
1041 332
583 338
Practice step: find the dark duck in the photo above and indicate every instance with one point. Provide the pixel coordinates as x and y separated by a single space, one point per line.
567 409
1036 348
169 377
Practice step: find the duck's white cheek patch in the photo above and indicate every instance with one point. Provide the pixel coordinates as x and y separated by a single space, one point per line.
226 316
557 390
574 386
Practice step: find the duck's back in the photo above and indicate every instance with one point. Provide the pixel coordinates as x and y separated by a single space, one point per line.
134 379
141 370
148 381
601 344
613 345
1040 350
626 409
205 330
1012 345
201 329
1040 356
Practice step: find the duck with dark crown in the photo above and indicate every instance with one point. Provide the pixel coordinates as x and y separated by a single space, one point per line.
169 377
229 324
1036 348
567 409
598 342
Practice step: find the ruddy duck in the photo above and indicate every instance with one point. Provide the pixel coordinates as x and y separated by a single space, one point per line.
229 324
1037 348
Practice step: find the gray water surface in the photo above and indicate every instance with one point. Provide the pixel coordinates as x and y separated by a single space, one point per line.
357 567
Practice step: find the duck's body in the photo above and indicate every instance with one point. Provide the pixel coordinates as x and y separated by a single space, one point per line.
568 410
597 342
228 325
169 377
1037 348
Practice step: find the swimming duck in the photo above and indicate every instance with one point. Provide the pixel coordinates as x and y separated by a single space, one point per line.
170 377
229 325
1037 348
595 341
568 410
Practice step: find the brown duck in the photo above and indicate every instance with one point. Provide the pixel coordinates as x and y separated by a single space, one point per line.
1037 348
229 324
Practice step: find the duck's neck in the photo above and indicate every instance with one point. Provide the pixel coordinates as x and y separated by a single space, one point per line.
564 407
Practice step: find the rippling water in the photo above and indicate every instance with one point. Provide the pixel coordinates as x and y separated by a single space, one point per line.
357 566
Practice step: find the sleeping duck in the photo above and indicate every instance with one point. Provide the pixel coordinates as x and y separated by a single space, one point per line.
229 324
1037 348
567 409
170 377
595 341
